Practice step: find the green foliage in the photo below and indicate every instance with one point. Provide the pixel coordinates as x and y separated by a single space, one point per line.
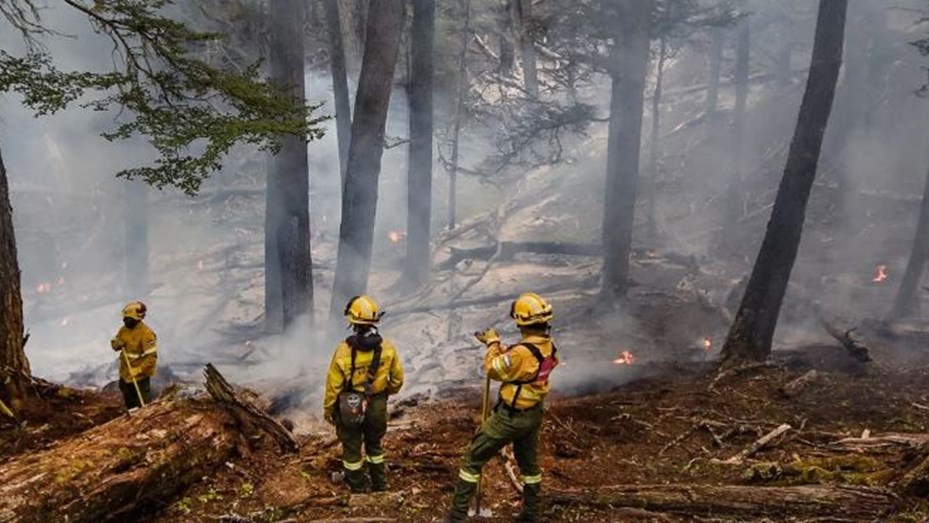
191 112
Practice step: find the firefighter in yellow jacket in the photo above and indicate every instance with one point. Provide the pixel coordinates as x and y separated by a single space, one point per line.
365 370
139 347
523 370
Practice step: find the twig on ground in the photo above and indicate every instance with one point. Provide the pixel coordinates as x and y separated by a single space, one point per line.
756 446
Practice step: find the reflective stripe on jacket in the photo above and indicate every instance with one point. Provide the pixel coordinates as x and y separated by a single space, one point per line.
515 366
389 375
141 347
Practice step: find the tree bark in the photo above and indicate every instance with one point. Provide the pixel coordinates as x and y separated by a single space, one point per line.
752 331
419 182
716 61
343 111
527 46
288 277
14 367
462 89
739 143
359 196
907 301
629 68
651 187
137 281
744 501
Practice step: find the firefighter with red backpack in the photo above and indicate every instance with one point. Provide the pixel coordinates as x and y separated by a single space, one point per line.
524 370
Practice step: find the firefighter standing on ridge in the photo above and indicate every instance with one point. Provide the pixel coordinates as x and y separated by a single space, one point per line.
524 371
139 357
365 370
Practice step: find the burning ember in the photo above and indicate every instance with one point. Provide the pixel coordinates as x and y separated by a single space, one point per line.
625 358
44 288
396 236
707 343
880 274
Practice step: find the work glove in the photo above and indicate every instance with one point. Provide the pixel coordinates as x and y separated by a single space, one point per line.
117 344
488 337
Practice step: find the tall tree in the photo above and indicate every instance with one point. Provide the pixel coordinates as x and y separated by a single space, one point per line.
359 195
907 302
652 182
716 62
13 363
343 110
288 263
629 67
739 143
752 331
462 89
419 181
527 46
136 239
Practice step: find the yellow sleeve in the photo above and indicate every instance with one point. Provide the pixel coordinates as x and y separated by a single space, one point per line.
334 383
395 378
150 350
117 342
515 364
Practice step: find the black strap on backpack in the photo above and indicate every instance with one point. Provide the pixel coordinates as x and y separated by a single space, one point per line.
538 356
372 369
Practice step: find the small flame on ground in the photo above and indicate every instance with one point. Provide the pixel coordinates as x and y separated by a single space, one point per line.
707 343
880 273
625 358
44 288
396 236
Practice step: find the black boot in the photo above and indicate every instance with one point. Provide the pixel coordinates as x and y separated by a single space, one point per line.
459 511
532 504
357 481
378 473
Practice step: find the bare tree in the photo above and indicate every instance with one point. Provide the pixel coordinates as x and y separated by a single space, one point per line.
739 143
907 302
629 67
752 331
652 182
288 264
419 183
359 195
343 111
527 46
462 88
716 61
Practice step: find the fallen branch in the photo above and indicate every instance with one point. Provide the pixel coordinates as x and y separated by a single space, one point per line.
798 385
761 443
748 502
856 349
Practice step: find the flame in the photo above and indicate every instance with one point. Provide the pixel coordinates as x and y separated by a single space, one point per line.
396 236
625 358
708 343
880 273
44 288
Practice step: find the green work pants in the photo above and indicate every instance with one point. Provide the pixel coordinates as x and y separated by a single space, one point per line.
131 396
504 426
369 434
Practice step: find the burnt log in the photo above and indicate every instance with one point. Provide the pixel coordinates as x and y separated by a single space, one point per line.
857 503
509 250
132 464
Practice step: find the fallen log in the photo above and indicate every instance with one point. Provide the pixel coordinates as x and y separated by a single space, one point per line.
762 442
129 465
859 503
855 347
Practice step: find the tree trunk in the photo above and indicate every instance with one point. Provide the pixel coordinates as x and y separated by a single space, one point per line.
419 183
14 367
629 59
527 46
907 302
343 111
137 282
462 89
752 331
652 183
739 143
289 276
748 502
716 61
359 196
133 464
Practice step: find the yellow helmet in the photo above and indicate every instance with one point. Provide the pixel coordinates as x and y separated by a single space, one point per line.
362 310
135 310
531 309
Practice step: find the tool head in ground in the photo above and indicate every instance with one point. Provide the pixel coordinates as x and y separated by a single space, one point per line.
483 512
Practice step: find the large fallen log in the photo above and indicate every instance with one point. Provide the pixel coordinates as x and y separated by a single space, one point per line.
129 465
748 501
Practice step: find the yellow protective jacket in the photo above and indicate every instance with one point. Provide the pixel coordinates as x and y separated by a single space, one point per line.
141 347
389 375
517 367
